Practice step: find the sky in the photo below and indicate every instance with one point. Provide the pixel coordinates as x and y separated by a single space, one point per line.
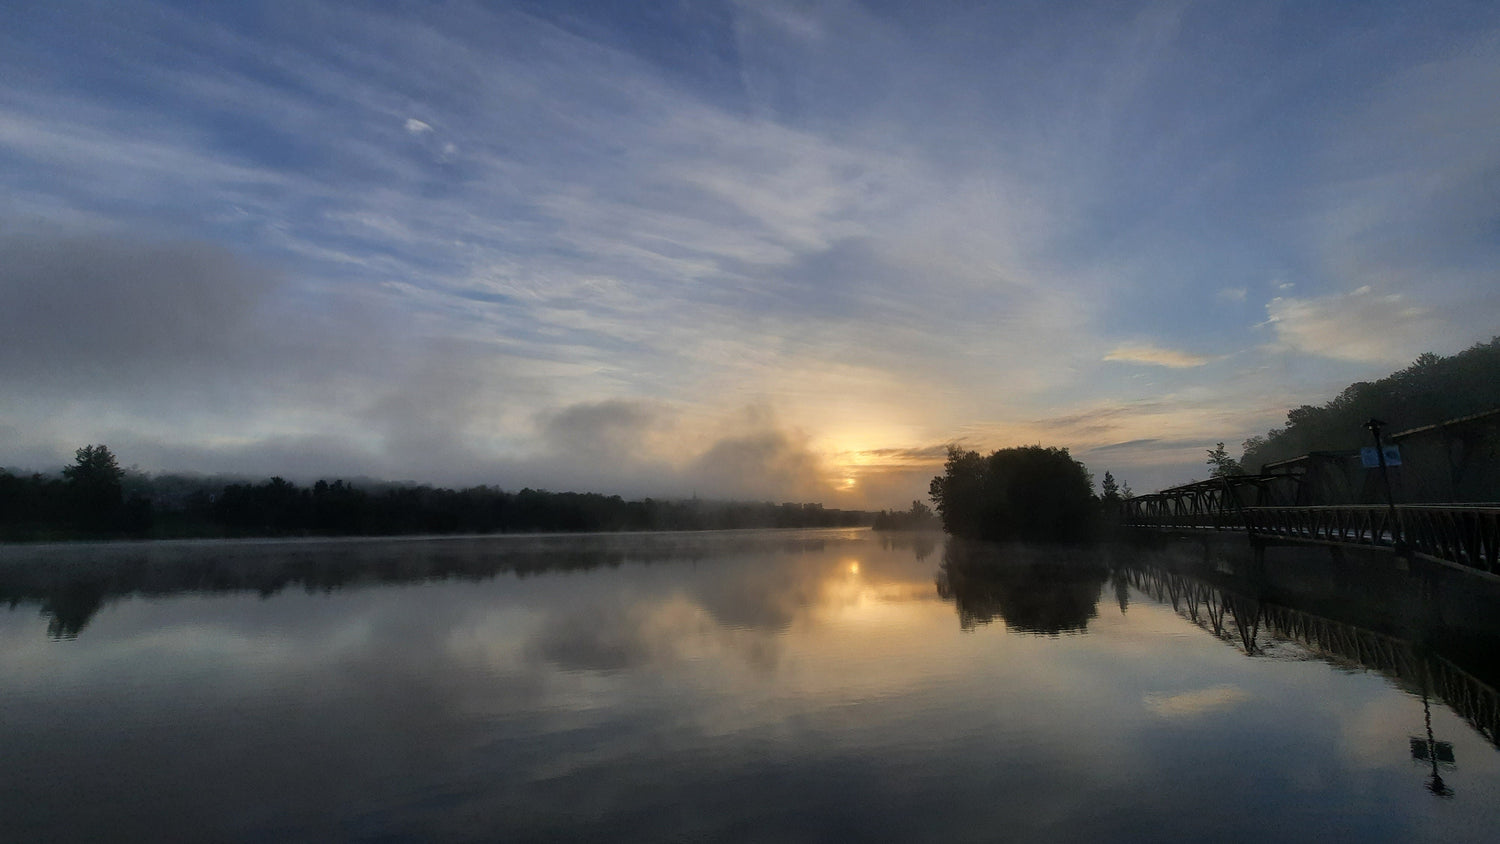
771 250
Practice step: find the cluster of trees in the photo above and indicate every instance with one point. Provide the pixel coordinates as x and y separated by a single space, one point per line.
918 517
1029 493
89 500
1433 389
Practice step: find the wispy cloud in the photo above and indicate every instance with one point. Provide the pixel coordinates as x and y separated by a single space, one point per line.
1144 442
568 234
920 454
1156 356
1361 325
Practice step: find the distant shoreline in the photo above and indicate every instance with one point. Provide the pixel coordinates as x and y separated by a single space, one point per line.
339 539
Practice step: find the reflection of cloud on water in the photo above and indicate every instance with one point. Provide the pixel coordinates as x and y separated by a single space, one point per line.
547 685
647 636
732 615
602 701
1199 702
736 615
754 598
600 639
1372 733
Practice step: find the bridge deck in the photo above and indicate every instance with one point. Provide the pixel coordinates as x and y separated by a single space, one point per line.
1463 535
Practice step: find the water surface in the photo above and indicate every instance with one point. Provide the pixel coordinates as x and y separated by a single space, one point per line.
765 686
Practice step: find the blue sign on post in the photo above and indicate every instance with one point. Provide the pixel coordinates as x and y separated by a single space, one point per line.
1370 460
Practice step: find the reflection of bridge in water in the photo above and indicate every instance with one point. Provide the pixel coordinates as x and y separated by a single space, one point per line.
1466 536
1257 628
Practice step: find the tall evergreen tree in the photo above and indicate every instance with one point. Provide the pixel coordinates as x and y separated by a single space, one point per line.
95 487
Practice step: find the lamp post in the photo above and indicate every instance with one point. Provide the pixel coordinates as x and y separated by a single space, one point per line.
1397 540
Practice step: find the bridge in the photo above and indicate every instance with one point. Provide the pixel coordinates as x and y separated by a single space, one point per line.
1465 536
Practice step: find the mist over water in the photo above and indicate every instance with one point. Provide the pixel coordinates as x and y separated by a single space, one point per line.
748 685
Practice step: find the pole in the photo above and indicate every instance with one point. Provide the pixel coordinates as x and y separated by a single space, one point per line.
1399 541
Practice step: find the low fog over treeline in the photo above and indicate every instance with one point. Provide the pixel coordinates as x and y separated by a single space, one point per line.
1432 390
94 497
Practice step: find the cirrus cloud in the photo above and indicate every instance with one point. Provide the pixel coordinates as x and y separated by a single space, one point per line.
1156 356
1361 325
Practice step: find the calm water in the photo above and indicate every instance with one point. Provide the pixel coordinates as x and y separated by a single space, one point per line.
770 686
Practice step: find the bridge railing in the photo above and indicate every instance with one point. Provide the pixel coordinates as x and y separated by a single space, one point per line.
1356 525
1467 535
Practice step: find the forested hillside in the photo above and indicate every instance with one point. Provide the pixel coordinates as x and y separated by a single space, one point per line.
1433 389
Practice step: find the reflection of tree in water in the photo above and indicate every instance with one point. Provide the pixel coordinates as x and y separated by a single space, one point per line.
69 609
1035 589
71 585
1122 590
921 543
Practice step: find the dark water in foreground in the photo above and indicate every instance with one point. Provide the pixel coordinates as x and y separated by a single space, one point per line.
770 686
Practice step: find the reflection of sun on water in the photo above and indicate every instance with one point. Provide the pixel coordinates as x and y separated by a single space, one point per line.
861 596
844 590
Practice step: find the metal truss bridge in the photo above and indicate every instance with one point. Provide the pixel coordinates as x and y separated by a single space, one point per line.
1463 535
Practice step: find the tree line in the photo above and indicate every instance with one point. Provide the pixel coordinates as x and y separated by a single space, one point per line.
917 517
89 500
1432 389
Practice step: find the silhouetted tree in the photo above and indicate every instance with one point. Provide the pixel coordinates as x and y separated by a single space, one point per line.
918 517
1223 465
94 487
919 513
1028 493
1110 502
1110 488
962 493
